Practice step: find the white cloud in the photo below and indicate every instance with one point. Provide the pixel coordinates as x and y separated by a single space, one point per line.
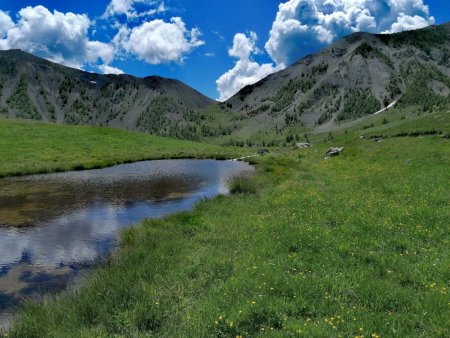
246 71
5 23
243 46
96 50
110 70
158 41
119 7
59 37
407 22
128 8
303 26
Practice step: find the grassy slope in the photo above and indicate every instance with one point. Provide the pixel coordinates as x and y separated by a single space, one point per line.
256 129
390 123
28 147
262 128
353 245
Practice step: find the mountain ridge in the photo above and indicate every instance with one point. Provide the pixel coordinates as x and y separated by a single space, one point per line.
370 65
39 89
351 78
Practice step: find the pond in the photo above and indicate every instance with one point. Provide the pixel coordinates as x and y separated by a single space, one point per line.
52 226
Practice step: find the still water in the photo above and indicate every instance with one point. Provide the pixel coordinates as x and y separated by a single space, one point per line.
52 226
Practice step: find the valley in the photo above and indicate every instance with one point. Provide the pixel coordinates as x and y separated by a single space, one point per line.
313 245
350 245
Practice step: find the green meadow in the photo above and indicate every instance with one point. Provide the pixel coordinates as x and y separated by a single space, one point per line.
350 246
30 147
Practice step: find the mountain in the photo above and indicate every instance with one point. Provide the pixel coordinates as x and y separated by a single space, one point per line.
34 88
356 76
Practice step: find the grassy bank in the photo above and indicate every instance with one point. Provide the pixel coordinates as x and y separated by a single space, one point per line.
28 147
355 245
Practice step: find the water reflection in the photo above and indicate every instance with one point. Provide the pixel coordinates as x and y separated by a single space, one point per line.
50 225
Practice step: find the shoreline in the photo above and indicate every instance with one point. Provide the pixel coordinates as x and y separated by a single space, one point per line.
7 317
82 167
37 148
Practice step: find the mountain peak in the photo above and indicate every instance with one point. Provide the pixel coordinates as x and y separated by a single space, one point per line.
353 77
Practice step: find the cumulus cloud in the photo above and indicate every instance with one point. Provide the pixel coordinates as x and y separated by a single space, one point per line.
407 22
158 41
119 7
128 8
110 70
96 50
5 23
303 26
246 71
59 37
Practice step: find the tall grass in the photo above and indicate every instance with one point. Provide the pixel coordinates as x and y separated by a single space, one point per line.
243 185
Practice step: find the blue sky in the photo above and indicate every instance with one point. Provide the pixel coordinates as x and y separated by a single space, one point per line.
217 47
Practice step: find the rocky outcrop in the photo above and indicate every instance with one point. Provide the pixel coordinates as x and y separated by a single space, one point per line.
334 151
302 145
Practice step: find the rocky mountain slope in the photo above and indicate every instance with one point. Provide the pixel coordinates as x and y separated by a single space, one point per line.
34 88
354 77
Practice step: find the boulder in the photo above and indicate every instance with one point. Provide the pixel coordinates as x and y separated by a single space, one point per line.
262 151
302 145
334 151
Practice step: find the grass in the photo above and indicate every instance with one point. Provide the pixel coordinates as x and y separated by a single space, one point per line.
355 245
437 123
243 185
29 147
390 124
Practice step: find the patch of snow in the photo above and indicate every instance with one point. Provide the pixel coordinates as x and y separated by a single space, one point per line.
389 106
